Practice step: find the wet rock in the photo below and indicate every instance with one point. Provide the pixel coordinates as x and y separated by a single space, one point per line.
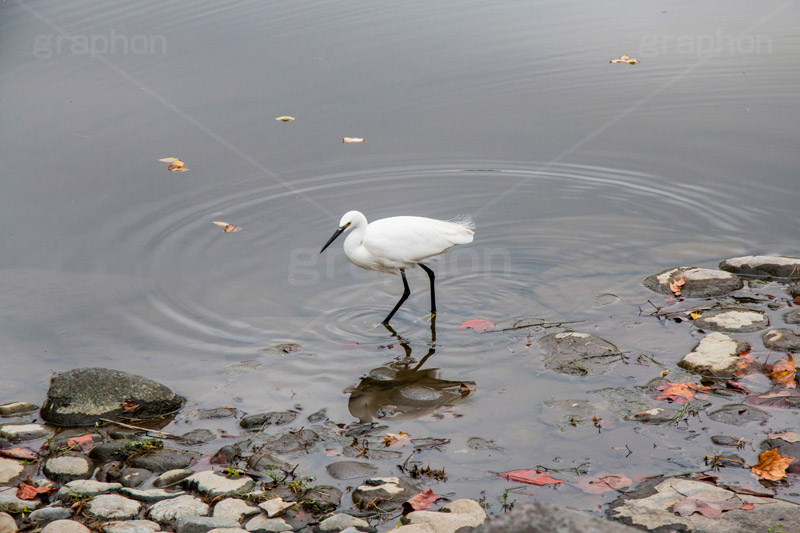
10 469
227 454
79 397
171 477
17 432
565 414
324 498
65 526
263 461
7 523
212 484
49 514
275 418
450 518
478 443
781 340
202 524
763 266
16 408
107 451
131 526
293 441
67 468
341 521
219 412
262 524
275 506
133 477
542 517
384 493
784 447
657 415
86 488
228 530
149 495
738 320
198 436
10 503
350 469
319 416
738 414
732 442
167 512
699 282
792 317
113 507
715 354
375 454
650 507
578 354
234 509
109 472
165 459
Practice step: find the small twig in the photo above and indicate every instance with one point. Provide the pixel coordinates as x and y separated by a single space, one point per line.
161 433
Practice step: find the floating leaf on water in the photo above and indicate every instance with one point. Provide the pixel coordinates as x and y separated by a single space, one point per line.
680 392
771 465
604 484
229 228
423 500
532 477
353 140
624 59
284 118
783 372
169 159
478 324
788 436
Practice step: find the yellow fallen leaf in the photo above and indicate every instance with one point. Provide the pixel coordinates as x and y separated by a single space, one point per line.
353 140
284 118
695 315
169 159
229 228
624 59
177 166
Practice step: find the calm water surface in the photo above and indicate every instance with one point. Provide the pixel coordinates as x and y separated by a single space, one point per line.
583 177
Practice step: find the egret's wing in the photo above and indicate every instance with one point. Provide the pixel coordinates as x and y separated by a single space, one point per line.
401 241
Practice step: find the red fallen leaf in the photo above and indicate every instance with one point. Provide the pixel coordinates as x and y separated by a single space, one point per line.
29 492
708 508
423 500
532 477
20 453
680 392
84 442
782 397
604 484
478 324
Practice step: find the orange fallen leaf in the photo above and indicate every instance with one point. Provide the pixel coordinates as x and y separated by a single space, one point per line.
783 372
423 500
353 140
680 392
532 477
175 164
675 285
84 442
478 324
398 439
771 465
29 492
229 228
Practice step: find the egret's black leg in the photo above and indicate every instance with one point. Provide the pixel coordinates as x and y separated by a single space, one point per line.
433 294
403 298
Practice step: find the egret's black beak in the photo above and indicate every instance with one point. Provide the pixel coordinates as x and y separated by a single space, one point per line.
333 237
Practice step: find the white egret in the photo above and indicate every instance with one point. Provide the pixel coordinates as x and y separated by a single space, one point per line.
394 244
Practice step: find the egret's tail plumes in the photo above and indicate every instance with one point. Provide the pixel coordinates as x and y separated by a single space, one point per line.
464 220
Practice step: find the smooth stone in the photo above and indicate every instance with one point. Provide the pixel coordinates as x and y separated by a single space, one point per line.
167 512
9 502
319 416
50 514
149 495
275 418
542 517
732 320
131 526
656 415
784 447
341 521
164 459
107 451
7 523
86 488
763 266
228 530
782 340
263 462
9 469
294 441
198 436
699 282
578 354
171 477
81 396
219 412
113 507
738 414
66 468
234 509
384 492
792 317
65 526
350 469
133 477
453 516
210 483
16 408
275 506
15 432
715 354
202 524
262 524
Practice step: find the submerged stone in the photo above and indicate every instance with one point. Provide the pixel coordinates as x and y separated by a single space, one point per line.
763 266
578 354
698 282
385 493
782 340
738 414
350 469
792 317
738 320
275 418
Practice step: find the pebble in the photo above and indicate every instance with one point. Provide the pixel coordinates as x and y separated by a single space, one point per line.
171 477
234 509
350 469
782 340
202 524
275 506
131 526
198 436
7 523
275 418
50 514
9 469
149 495
164 459
210 483
262 524
715 354
113 507
16 408
384 492
17 432
86 488
792 317
738 414
133 477
168 511
732 320
341 521
65 526
293 441
67 468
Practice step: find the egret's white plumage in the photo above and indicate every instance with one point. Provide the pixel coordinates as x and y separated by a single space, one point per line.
394 244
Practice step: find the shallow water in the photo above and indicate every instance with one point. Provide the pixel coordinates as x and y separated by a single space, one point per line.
583 178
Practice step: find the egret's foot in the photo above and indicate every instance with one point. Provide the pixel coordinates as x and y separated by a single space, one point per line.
430 317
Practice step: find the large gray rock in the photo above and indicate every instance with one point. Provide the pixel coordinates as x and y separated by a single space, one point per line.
578 354
50 514
451 518
80 397
164 460
716 354
275 418
738 320
340 522
149 495
781 340
698 282
262 524
350 469
234 509
10 503
113 507
764 266
67 468
10 469
167 512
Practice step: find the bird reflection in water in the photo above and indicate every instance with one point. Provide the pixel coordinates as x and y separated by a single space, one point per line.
400 390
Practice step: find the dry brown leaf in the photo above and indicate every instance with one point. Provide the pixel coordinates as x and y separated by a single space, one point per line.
680 392
788 436
229 228
771 465
396 439
675 286
624 59
353 140
783 372
284 118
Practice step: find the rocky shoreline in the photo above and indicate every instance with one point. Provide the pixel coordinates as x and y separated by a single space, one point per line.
95 456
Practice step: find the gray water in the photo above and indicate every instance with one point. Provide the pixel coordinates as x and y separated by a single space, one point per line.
583 177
